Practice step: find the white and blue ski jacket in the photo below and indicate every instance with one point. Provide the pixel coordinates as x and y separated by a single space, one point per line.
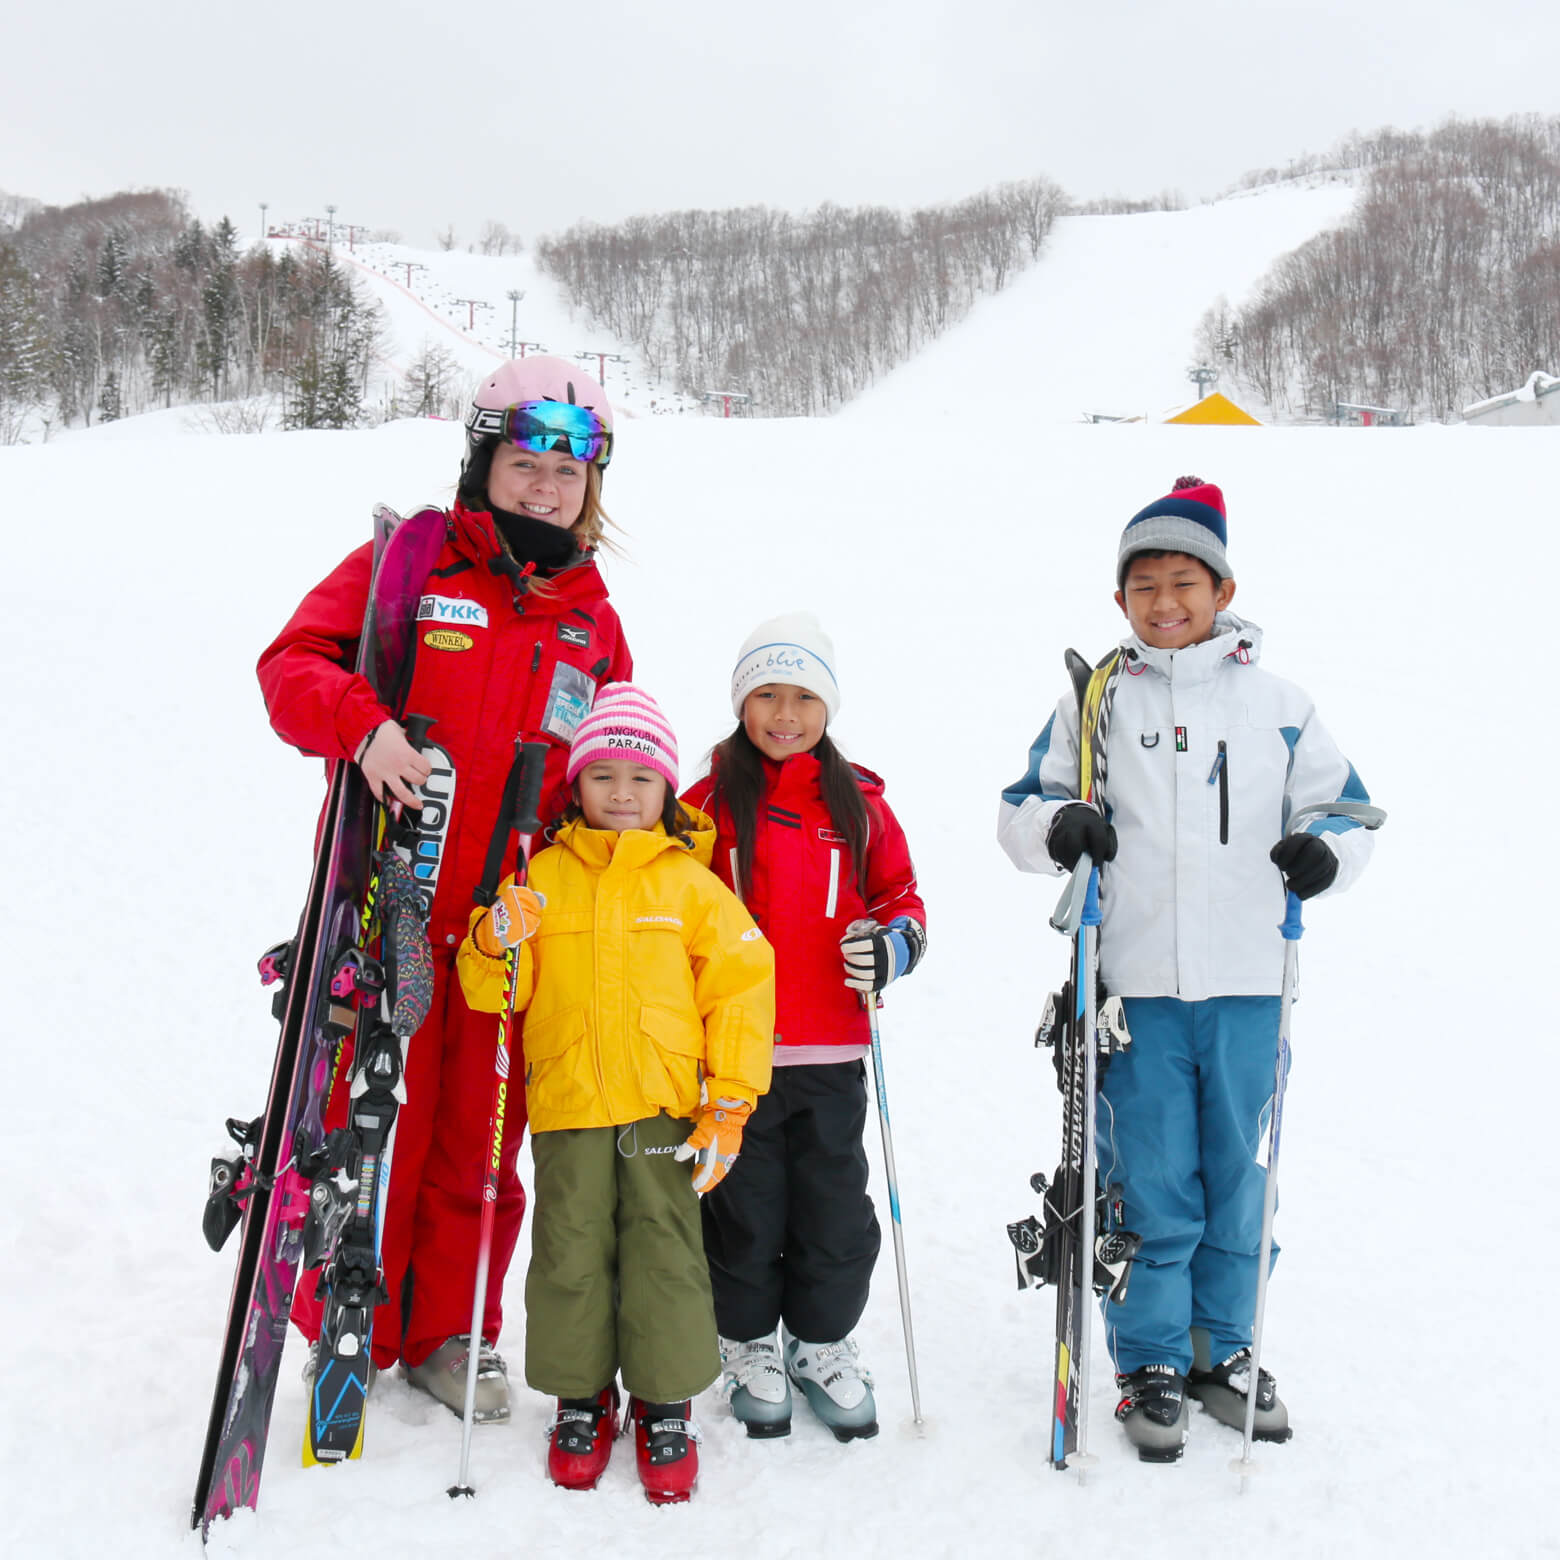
1206 756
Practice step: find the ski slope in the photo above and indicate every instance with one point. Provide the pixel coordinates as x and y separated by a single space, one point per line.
460 302
1106 320
164 844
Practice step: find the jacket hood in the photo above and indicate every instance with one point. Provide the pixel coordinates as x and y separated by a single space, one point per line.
599 848
1233 638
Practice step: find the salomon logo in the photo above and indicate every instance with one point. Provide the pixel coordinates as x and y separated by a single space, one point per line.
431 824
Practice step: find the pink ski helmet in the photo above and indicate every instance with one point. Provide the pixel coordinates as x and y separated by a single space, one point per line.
543 403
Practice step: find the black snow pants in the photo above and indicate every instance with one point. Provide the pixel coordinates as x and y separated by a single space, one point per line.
790 1233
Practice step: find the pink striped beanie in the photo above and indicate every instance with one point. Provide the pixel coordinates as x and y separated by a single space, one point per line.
625 722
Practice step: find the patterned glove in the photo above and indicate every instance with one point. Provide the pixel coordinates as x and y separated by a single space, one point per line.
715 1141
1080 827
514 915
1307 862
876 955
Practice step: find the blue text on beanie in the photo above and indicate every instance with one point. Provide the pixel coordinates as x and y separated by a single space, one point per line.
792 648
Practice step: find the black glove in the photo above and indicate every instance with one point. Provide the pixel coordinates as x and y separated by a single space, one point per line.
876 955
1076 828
1307 863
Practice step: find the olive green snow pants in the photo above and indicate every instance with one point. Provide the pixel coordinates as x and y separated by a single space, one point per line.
618 1278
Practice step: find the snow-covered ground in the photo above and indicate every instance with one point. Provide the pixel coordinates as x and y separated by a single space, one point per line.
1400 576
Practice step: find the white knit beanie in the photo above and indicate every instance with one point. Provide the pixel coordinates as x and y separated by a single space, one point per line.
792 648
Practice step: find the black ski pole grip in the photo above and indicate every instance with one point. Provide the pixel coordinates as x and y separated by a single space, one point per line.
533 766
417 729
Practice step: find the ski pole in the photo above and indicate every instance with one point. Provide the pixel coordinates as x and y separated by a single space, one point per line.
893 1205
1292 930
528 792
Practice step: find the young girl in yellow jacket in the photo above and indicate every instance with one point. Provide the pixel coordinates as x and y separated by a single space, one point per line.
649 1001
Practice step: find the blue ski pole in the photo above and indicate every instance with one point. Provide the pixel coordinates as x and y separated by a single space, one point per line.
1292 930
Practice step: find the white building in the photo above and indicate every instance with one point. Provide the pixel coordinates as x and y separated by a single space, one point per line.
1536 404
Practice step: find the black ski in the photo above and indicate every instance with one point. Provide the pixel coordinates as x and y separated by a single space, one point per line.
1052 1250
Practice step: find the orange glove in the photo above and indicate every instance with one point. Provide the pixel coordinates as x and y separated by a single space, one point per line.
715 1141
514 915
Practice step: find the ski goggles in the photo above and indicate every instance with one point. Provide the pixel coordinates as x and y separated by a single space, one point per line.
546 425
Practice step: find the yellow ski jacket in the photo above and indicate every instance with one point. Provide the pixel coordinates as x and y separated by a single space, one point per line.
646 978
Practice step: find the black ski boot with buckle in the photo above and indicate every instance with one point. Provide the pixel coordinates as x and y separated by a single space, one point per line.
1222 1389
1153 1412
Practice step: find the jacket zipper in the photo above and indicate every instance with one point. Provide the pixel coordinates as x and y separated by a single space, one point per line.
1221 773
834 886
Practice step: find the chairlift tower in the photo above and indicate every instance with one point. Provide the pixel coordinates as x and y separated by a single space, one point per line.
602 359
727 398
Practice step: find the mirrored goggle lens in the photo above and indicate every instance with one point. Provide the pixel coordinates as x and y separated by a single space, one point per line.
553 425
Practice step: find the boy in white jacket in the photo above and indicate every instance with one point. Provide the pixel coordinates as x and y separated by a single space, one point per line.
1206 756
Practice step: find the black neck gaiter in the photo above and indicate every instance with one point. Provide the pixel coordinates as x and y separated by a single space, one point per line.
534 541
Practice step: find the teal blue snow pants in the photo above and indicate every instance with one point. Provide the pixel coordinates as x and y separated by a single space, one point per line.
1182 1125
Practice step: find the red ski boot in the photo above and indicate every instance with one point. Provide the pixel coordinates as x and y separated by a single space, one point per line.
583 1431
666 1446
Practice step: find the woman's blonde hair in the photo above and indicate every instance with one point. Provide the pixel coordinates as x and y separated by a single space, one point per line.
590 529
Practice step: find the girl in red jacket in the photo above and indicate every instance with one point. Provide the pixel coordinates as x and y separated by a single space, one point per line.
812 849
515 635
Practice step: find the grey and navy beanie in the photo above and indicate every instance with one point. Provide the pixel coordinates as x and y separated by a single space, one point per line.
1189 519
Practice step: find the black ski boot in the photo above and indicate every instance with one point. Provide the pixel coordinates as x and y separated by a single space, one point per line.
1222 1388
1153 1412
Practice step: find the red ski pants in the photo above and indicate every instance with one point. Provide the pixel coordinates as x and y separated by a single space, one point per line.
435 1209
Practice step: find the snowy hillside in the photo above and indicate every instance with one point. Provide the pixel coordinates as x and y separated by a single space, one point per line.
1106 320
460 302
165 844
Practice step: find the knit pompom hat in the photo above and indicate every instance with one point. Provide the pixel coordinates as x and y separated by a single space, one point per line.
792 648
625 722
1189 519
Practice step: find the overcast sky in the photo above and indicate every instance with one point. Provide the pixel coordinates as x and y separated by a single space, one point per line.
543 112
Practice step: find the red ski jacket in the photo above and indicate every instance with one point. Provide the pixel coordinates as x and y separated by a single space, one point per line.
493 662
804 893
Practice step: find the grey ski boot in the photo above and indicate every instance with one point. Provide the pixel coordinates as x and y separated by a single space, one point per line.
443 1375
1153 1412
837 1387
754 1383
1222 1388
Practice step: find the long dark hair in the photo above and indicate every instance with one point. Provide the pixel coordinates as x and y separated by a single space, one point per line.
738 770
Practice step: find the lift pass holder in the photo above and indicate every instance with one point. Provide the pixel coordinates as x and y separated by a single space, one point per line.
568 701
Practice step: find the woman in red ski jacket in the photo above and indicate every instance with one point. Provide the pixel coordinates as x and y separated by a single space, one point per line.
515 634
808 843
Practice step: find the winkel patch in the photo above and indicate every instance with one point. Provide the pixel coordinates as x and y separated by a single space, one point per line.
447 639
